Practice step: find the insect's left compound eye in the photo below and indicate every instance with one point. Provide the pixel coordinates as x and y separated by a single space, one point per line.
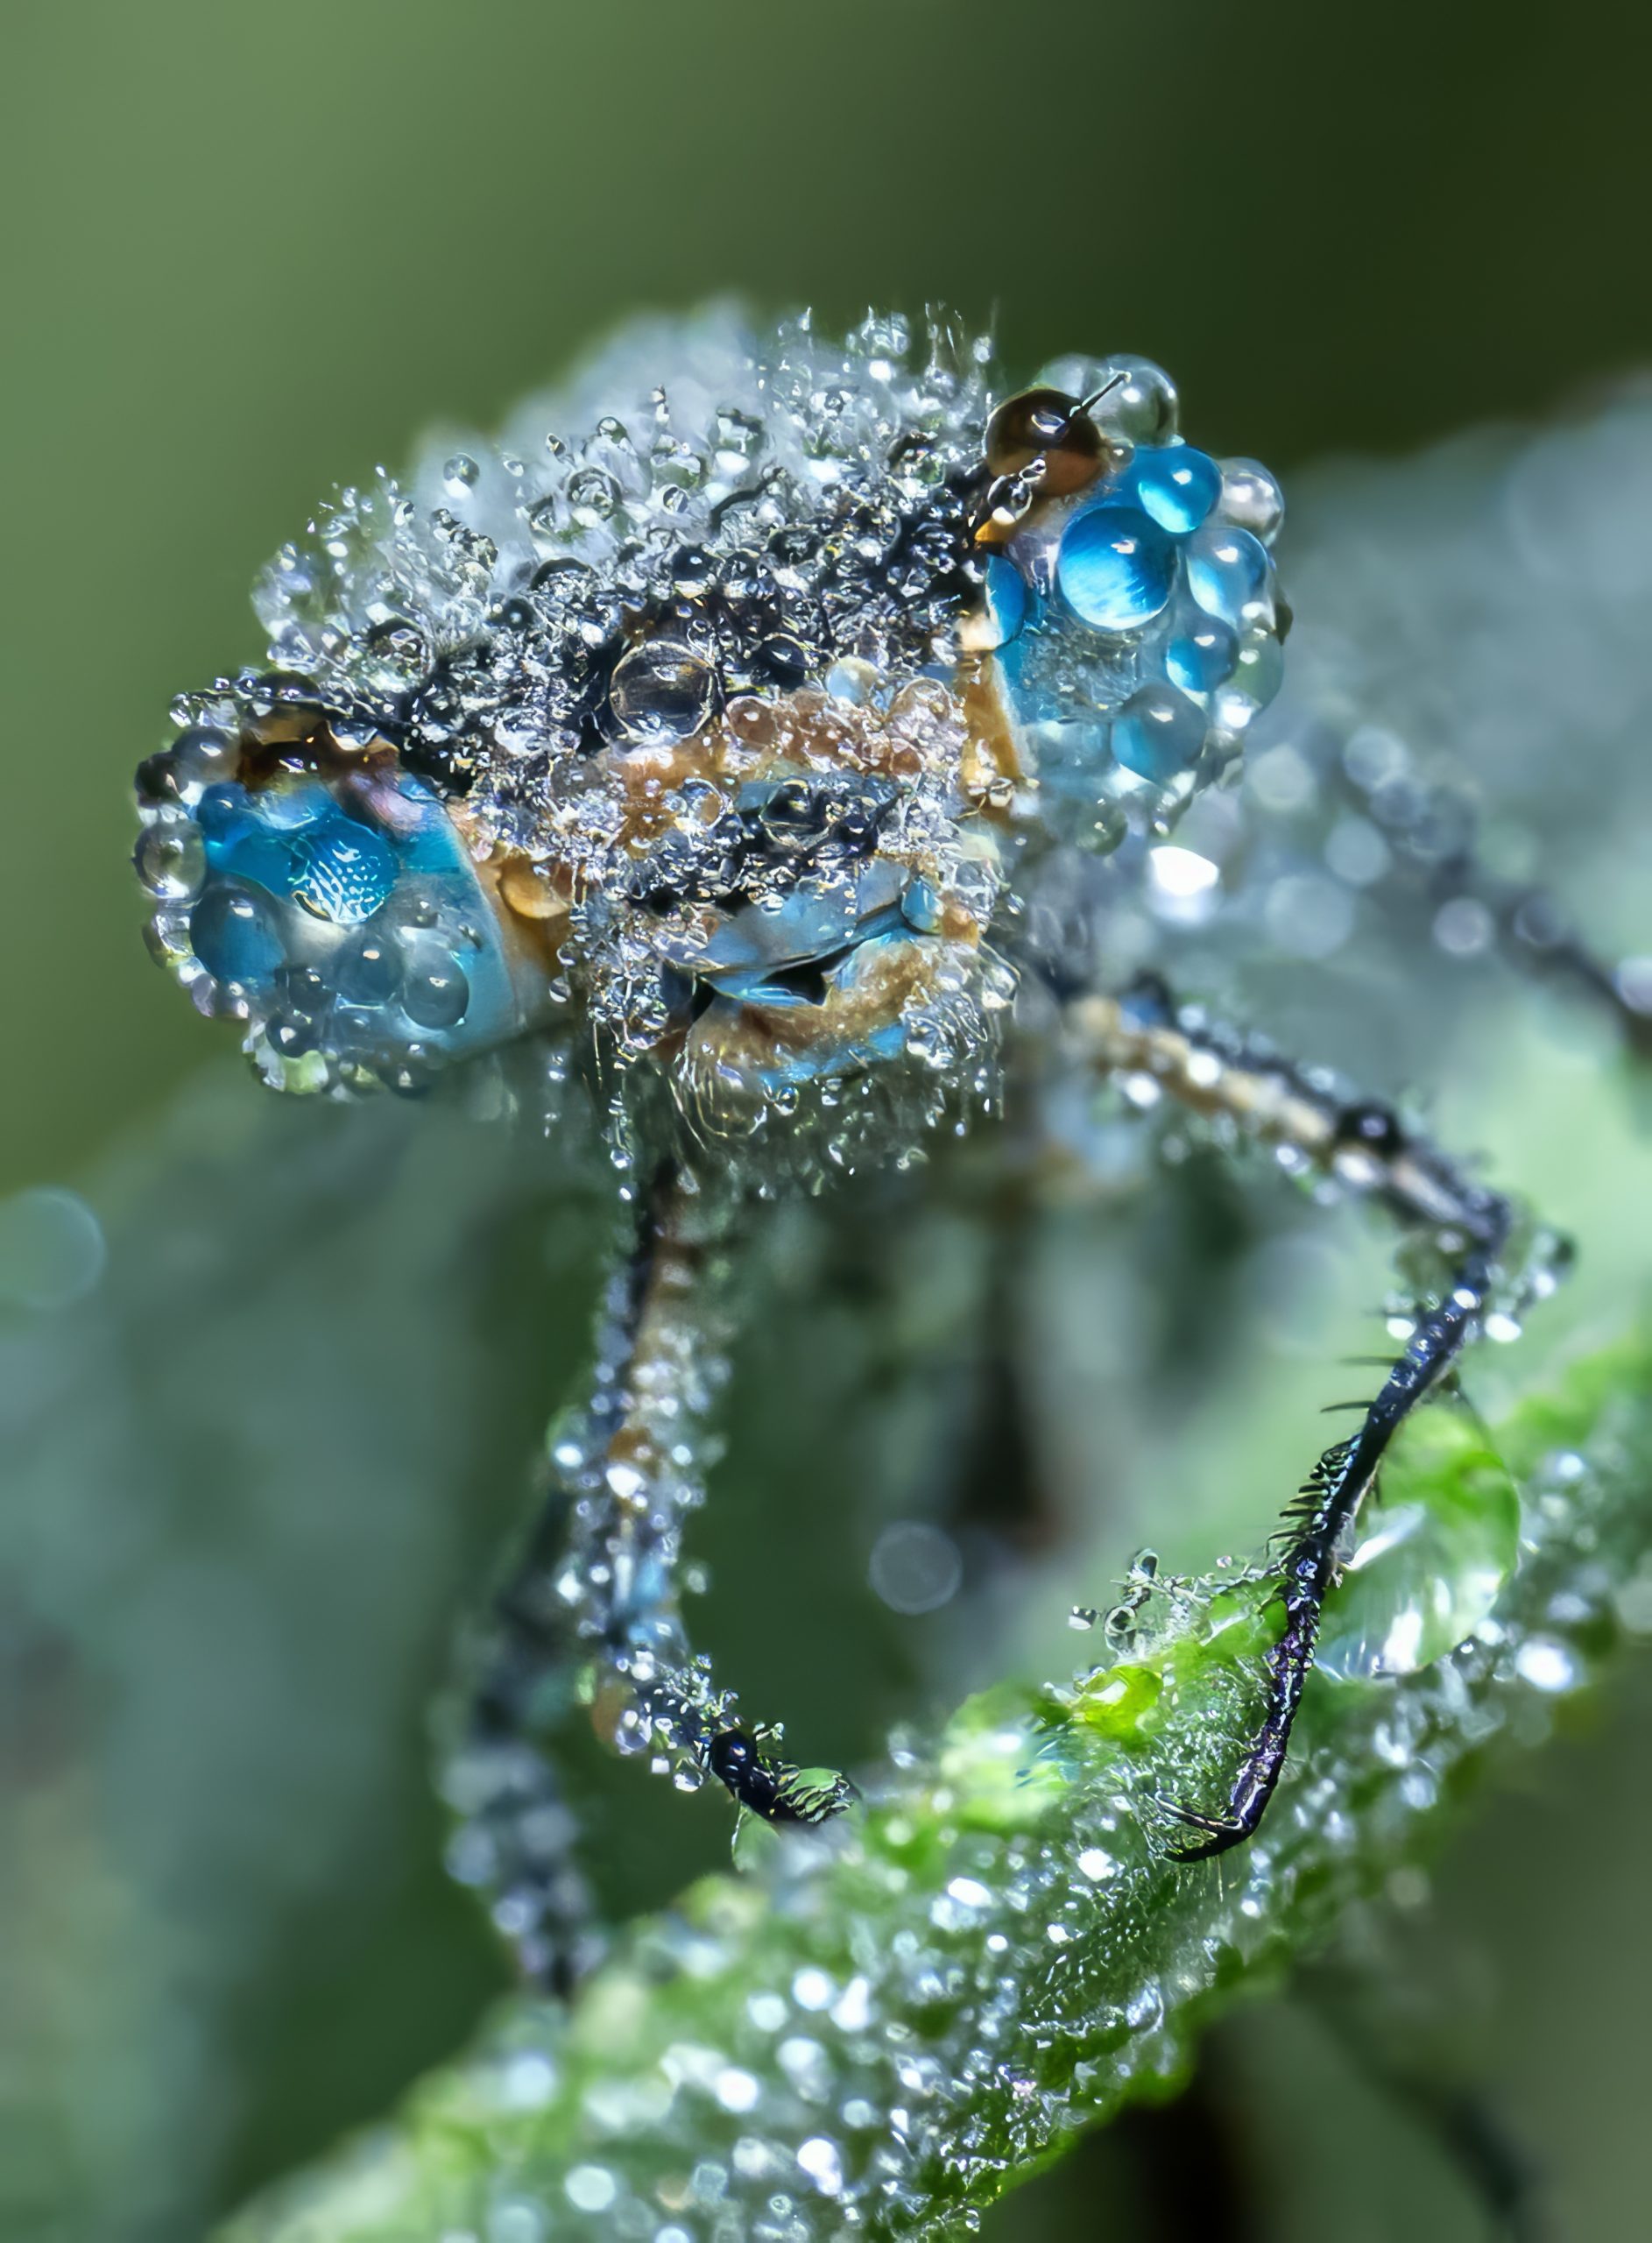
325 896
1046 424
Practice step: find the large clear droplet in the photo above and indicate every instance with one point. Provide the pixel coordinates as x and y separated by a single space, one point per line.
1436 1544
1176 484
1228 573
1138 402
1115 568
661 691
235 935
1158 733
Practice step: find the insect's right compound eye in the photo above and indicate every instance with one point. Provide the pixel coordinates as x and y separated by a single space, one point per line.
1131 615
325 896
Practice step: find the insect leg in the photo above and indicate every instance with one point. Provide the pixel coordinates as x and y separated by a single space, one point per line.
1532 927
1365 1147
592 1612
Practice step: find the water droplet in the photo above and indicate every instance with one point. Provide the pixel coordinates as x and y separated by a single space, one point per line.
1228 573
436 992
235 935
171 860
1158 733
592 497
1115 568
661 691
1198 658
1546 1665
397 657
1250 499
812 1989
1434 1547
1139 403
736 2089
819 2159
1176 484
368 972
590 2188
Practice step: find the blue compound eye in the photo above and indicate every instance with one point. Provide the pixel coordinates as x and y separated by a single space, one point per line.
327 897
1115 567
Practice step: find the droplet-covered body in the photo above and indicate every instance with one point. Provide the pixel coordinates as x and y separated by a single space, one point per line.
722 729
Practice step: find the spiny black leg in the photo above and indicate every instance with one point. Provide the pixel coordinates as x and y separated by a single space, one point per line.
1309 1568
592 1612
1365 1147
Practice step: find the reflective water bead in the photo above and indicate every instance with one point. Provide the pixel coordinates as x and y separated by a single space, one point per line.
368 971
1140 400
1250 499
1158 733
235 935
221 807
1115 568
171 860
436 992
1176 484
343 872
240 838
661 691
1200 657
1227 572
592 496
397 658
1257 677
195 759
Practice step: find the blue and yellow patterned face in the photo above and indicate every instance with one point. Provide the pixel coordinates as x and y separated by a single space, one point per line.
728 731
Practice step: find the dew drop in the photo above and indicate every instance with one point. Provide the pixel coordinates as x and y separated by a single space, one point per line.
1176 484
1115 568
235 935
661 691
171 860
1158 734
1227 573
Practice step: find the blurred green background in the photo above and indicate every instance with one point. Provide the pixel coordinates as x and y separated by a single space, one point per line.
249 250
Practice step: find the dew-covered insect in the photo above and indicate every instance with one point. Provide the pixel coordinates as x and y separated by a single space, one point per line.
769 751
